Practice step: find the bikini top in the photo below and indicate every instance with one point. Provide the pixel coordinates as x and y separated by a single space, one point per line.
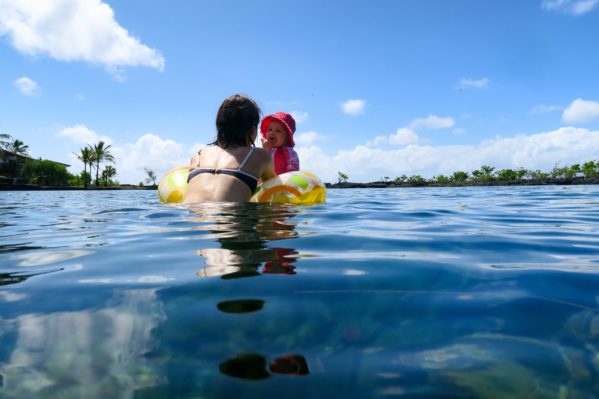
250 180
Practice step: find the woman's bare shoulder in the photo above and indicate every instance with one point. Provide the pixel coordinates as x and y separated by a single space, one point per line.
262 153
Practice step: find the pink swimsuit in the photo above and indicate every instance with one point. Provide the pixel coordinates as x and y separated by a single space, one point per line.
286 159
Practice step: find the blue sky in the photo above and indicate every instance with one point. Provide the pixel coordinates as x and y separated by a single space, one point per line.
379 88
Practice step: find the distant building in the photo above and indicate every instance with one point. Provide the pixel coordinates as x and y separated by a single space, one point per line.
10 163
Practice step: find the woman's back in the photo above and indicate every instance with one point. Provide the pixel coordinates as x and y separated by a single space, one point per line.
228 175
229 169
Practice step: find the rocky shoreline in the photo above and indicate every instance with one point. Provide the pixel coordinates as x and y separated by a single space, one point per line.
378 184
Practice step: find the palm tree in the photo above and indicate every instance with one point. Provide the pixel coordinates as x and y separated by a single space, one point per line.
4 139
108 173
91 162
151 176
101 154
87 157
18 147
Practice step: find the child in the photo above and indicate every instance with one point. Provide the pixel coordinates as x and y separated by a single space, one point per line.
277 137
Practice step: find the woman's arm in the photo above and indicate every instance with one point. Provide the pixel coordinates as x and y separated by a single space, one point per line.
269 169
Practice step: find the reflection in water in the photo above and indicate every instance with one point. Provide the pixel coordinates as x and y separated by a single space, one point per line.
252 366
283 262
247 366
40 258
14 278
289 364
243 231
21 246
102 350
400 299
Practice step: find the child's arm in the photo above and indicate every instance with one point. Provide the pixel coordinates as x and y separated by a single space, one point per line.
266 144
293 162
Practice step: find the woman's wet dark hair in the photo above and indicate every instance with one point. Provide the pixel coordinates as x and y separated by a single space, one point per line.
236 117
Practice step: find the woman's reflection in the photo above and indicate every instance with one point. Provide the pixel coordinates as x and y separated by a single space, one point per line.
253 366
243 231
239 306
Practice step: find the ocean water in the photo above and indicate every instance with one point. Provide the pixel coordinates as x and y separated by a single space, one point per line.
379 293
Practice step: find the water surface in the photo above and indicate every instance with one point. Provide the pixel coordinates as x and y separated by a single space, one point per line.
414 293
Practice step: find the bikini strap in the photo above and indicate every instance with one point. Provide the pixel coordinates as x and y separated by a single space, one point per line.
197 165
246 158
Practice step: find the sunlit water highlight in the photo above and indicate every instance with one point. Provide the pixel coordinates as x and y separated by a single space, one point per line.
417 293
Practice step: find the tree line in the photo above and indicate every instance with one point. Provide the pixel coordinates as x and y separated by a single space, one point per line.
488 174
45 172
93 156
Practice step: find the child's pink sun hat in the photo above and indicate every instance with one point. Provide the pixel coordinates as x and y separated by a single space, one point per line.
283 118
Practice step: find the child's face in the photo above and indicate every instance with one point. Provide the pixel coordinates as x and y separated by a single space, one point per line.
276 134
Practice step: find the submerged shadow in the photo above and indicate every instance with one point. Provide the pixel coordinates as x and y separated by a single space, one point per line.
239 306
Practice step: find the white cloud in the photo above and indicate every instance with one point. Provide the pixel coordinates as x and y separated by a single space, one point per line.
584 6
432 122
581 111
574 7
364 163
299 116
554 4
81 134
407 135
152 152
378 140
314 159
353 107
130 159
473 83
403 136
542 151
545 109
27 86
74 30
307 138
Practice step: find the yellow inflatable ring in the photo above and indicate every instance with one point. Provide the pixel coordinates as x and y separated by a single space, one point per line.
173 185
301 188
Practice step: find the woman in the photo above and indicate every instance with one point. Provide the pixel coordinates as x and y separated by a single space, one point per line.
230 167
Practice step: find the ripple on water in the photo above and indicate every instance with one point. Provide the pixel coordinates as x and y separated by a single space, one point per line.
425 292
